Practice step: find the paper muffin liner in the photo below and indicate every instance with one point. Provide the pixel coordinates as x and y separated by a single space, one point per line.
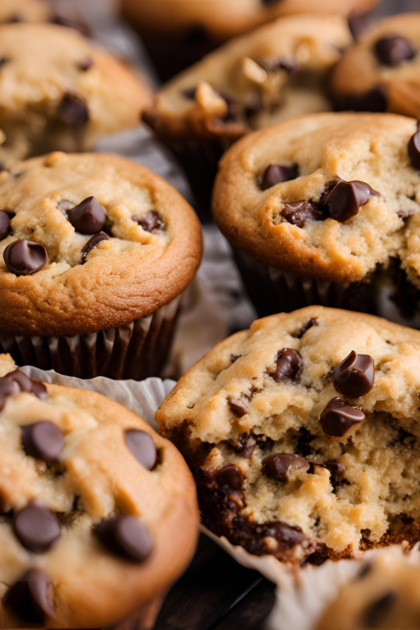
136 350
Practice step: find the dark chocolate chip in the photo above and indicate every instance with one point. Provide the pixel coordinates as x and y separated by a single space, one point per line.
93 242
288 366
405 214
376 612
42 440
4 225
244 445
338 417
3 61
238 409
8 389
85 65
142 446
88 217
393 50
311 322
151 222
36 527
125 536
354 376
32 597
234 357
345 199
414 147
336 470
15 382
300 212
375 100
230 478
189 93
277 466
73 111
24 258
277 174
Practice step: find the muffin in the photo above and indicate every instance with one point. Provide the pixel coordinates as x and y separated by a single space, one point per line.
58 91
324 209
95 253
195 28
381 72
274 73
385 594
98 513
303 435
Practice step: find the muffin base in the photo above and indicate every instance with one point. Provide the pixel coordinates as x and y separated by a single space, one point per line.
134 351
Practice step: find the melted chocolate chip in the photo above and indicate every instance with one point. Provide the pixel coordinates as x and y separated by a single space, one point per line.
337 418
125 536
142 446
345 199
277 466
375 100
238 409
354 376
300 212
93 242
85 65
288 367
88 217
393 50
311 322
21 383
32 597
73 111
3 61
151 222
4 225
24 258
8 389
244 445
229 478
42 440
376 612
36 527
277 174
414 147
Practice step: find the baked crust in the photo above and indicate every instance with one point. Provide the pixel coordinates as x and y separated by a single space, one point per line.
124 278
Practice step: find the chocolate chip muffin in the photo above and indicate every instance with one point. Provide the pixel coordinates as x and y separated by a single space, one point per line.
95 252
97 512
302 433
381 72
324 209
385 594
195 28
58 91
275 73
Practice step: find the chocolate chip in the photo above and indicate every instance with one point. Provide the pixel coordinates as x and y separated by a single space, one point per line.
15 382
189 93
142 446
300 212
8 389
85 65
238 409
311 322
93 242
234 357
345 199
354 376
414 147
230 478
24 258
36 527
276 174
337 418
335 469
32 597
277 466
376 613
42 440
88 217
405 214
393 50
375 100
73 111
288 366
244 445
125 536
4 225
3 61
151 222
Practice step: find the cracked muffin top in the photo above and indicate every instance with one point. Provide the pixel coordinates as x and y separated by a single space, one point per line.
90 242
58 91
274 73
304 434
327 196
221 20
97 512
381 72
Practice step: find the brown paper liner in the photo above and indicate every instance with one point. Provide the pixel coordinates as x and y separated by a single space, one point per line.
274 291
134 351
